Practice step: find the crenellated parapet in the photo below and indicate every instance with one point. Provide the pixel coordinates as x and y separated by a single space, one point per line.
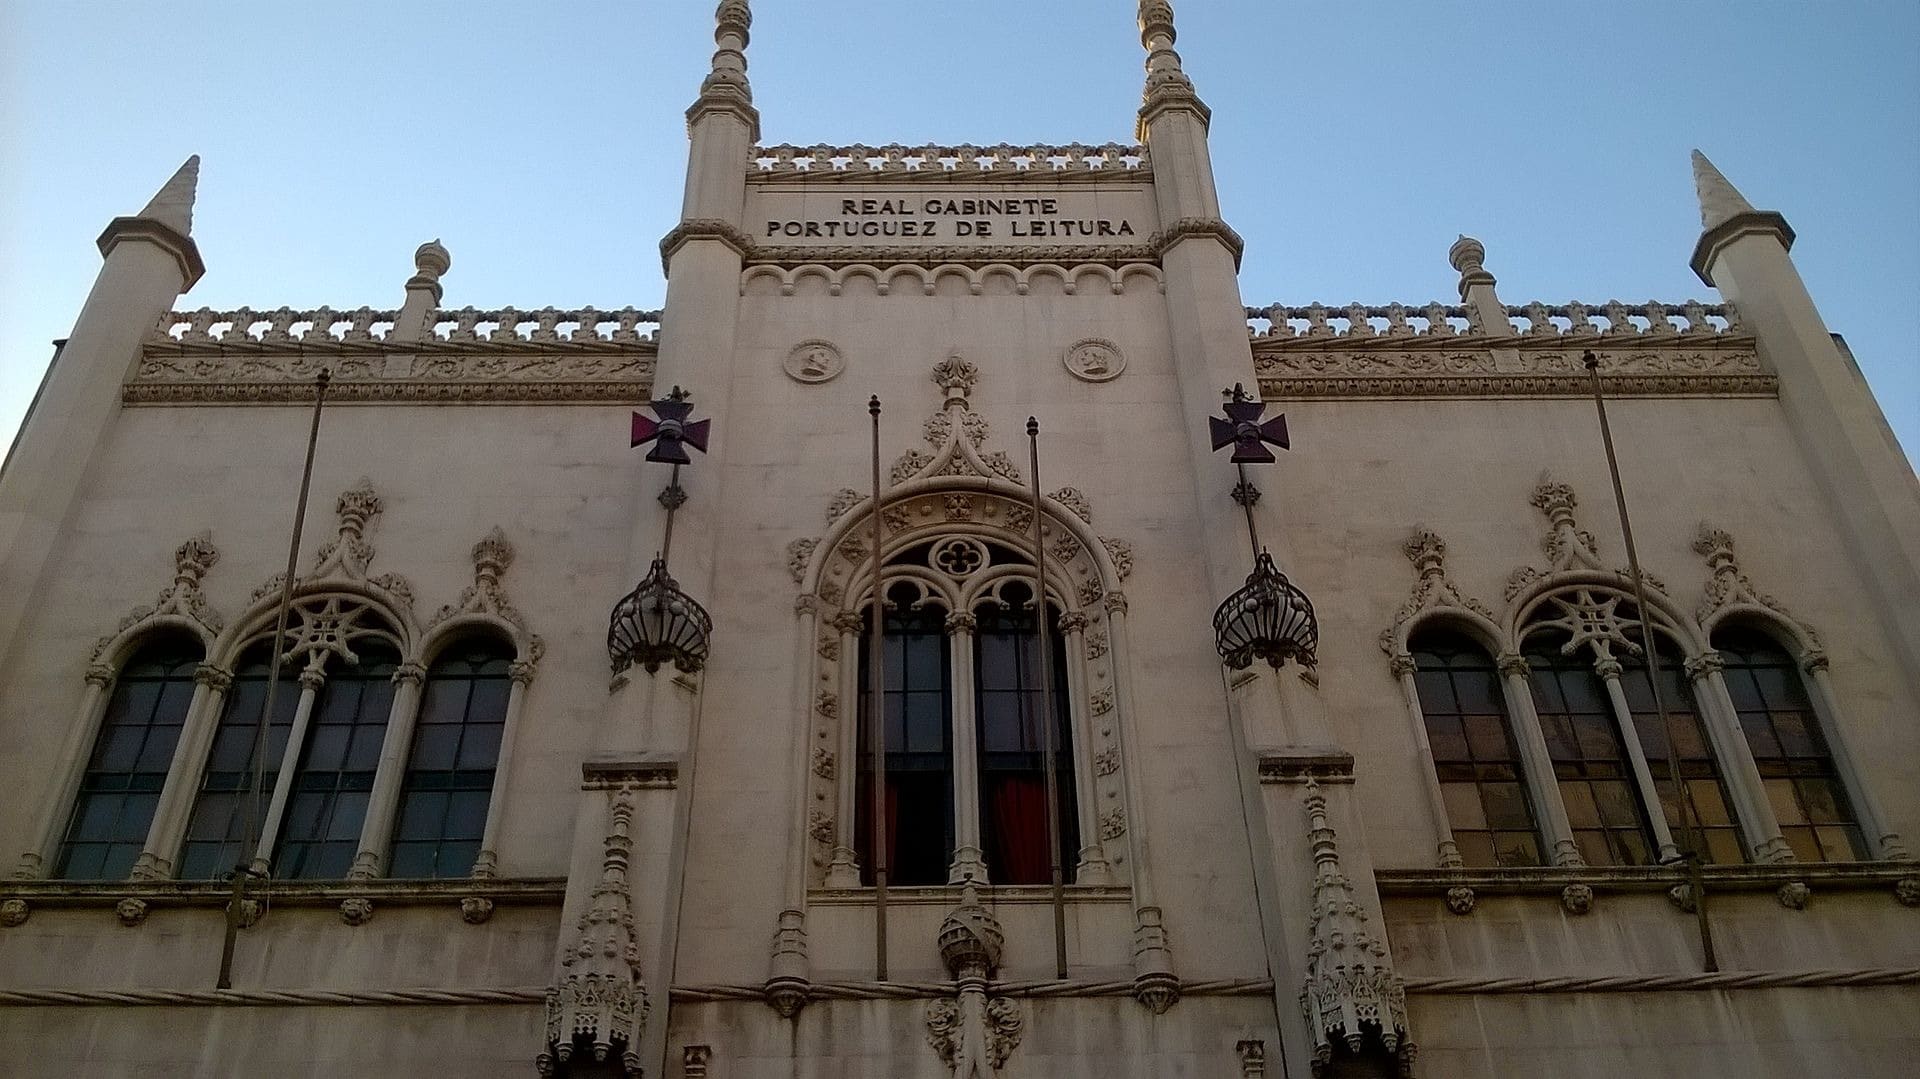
1001 163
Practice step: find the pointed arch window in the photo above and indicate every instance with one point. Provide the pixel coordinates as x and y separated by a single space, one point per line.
1710 806
128 766
918 728
218 823
1475 757
1591 764
450 764
327 797
1011 740
1783 731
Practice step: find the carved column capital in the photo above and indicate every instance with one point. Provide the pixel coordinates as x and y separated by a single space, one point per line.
1813 659
218 679
961 622
100 674
1608 667
1703 665
848 621
1401 664
409 673
1513 663
1073 622
1116 602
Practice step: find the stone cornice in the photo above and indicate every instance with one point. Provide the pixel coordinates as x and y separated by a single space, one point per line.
1503 386
181 246
586 372
1822 876
1189 227
1462 366
710 103
1750 223
702 229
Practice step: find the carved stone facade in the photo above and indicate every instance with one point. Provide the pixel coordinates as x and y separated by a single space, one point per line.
1270 871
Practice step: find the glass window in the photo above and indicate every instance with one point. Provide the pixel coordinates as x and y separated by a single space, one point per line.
131 755
1474 755
1012 742
327 800
450 766
218 824
1789 749
1709 810
1590 765
917 694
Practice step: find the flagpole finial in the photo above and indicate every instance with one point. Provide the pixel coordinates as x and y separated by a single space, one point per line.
873 405
1033 426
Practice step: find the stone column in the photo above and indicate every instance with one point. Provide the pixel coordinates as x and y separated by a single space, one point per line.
844 870
520 674
1608 669
1447 853
1887 843
1537 760
376 828
209 704
969 860
50 824
311 680
1154 982
1093 867
788 977
150 260
1759 825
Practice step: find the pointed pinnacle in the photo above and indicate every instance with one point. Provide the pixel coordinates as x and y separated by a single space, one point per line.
172 205
1720 201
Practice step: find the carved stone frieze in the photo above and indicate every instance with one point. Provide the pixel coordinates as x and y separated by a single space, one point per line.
169 375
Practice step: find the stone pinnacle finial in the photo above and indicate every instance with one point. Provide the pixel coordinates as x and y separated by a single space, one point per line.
172 205
1720 201
732 26
1167 85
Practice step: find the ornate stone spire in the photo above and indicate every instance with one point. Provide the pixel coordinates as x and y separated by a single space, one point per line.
172 205
599 1001
1726 215
1167 84
1352 994
725 89
1720 201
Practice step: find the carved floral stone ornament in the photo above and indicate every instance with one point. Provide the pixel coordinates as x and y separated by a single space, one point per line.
973 1033
814 361
1352 997
1095 360
598 1002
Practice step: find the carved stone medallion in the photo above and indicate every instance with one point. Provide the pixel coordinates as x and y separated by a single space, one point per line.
814 361
1095 360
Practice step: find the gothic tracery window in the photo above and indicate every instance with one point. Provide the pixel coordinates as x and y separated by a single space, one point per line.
1474 755
1709 806
1590 763
218 823
450 765
1789 748
327 801
919 744
1013 806
128 766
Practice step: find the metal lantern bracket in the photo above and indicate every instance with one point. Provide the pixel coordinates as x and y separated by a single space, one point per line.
1269 618
657 622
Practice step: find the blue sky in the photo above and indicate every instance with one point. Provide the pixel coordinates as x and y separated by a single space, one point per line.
545 144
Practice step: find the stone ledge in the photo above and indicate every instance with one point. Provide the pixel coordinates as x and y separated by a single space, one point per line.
1830 876
947 895
214 894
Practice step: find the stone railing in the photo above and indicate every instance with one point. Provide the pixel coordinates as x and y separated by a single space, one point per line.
1611 321
285 327
1003 162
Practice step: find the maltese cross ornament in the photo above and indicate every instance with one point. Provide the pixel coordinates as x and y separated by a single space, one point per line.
669 429
1245 431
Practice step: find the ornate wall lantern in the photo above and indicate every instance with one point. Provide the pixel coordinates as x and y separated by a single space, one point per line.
658 623
1269 618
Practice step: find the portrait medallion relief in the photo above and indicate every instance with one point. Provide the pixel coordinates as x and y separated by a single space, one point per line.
1095 360
814 361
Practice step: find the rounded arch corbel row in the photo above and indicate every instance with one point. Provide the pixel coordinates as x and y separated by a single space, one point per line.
926 279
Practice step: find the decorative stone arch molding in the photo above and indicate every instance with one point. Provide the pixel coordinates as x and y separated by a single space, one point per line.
916 278
959 496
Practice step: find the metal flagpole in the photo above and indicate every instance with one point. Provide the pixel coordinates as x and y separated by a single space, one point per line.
245 867
877 721
1681 802
1048 722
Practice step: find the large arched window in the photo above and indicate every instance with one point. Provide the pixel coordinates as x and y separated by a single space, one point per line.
218 824
1709 807
450 765
128 766
1590 763
327 799
1783 732
918 691
1474 754
1011 740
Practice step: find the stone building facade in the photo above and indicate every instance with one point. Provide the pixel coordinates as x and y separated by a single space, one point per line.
501 839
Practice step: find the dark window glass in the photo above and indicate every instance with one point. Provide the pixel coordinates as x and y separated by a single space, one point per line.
1709 810
327 799
129 764
456 741
1012 744
1789 749
218 823
1474 753
919 745
1589 763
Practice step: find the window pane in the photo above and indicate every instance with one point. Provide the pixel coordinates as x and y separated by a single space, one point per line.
449 778
1785 739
